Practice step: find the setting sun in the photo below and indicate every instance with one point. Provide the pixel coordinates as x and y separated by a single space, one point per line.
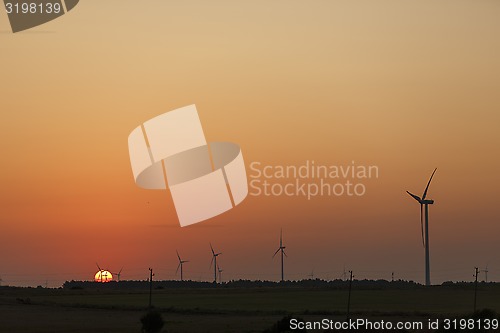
103 276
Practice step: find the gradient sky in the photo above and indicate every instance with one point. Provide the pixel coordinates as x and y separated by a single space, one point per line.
406 86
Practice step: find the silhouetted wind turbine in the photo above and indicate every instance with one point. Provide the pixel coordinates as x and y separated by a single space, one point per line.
103 273
220 273
282 249
486 273
214 261
425 229
100 271
181 262
118 274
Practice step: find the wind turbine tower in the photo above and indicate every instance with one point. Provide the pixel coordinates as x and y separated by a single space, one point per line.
282 249
424 207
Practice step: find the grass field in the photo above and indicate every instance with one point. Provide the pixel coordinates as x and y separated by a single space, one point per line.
224 310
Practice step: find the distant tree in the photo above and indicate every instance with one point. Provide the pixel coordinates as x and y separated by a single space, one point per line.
152 322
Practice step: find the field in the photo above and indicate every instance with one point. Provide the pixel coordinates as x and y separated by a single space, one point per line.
225 309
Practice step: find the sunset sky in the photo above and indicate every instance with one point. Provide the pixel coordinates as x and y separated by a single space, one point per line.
406 86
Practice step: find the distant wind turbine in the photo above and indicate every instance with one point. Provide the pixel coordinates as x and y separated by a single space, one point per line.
220 273
214 261
118 274
282 249
103 274
181 262
100 271
485 270
425 229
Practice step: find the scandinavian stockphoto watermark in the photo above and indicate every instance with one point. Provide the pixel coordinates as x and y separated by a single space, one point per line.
310 179
364 324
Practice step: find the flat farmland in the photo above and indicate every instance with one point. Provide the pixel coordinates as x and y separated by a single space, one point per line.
225 309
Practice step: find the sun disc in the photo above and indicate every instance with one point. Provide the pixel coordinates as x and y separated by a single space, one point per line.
103 276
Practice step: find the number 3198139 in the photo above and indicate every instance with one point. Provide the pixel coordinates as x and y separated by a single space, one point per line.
33 8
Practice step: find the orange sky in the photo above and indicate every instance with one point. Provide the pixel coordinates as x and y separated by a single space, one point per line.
406 86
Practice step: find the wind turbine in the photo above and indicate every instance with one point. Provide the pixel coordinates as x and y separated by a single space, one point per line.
100 271
103 273
118 274
282 249
220 273
214 261
425 229
485 273
181 262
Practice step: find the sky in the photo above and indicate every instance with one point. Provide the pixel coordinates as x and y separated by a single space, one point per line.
403 86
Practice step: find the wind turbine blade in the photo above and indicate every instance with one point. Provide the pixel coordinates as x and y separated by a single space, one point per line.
427 187
177 270
98 267
213 252
416 197
212 261
422 223
284 253
120 271
178 256
276 252
281 237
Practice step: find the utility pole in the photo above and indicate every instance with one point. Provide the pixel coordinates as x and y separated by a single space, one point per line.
349 297
475 288
150 285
